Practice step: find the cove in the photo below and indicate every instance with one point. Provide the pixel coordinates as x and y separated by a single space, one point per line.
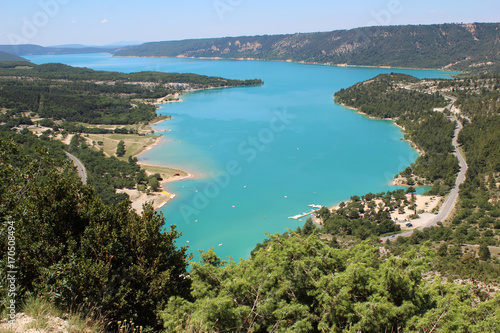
262 154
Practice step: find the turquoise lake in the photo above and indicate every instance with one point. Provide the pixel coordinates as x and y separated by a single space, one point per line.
262 154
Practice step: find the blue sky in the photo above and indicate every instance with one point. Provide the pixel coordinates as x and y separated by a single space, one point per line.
99 22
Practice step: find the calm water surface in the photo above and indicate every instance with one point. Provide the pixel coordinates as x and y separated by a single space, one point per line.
262 154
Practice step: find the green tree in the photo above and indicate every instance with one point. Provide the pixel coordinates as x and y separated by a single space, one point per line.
120 149
324 212
442 250
77 251
411 190
153 183
300 284
484 252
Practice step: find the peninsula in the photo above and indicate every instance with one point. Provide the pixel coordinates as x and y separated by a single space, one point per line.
102 120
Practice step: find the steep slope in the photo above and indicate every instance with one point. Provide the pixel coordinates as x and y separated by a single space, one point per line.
454 46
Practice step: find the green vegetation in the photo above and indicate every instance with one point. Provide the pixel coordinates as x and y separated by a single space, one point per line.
475 96
62 92
106 174
4 56
465 47
68 100
300 284
362 217
120 149
103 173
73 250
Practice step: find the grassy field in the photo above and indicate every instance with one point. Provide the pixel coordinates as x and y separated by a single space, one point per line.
165 172
139 128
134 144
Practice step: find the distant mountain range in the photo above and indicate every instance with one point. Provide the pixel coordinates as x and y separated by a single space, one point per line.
462 47
107 46
31 49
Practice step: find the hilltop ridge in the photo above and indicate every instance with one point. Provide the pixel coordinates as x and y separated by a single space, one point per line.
462 47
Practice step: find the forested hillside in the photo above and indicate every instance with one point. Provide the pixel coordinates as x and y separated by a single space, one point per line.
299 283
4 56
476 221
62 92
78 253
463 47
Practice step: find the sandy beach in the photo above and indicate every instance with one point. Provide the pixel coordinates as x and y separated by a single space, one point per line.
168 99
168 174
157 199
426 206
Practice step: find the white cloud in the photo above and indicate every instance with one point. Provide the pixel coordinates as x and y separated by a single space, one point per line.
104 21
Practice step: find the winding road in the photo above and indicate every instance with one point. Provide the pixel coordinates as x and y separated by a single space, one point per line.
79 167
451 199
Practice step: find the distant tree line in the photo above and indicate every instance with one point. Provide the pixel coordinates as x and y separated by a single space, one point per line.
62 92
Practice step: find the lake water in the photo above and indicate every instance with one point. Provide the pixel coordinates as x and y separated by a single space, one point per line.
262 154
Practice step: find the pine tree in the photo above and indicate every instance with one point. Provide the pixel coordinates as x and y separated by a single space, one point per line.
484 252
120 149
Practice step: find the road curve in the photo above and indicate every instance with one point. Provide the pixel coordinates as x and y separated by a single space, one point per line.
79 167
451 199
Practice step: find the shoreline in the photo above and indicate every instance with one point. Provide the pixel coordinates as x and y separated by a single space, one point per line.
426 207
419 151
162 197
169 98
292 61
179 174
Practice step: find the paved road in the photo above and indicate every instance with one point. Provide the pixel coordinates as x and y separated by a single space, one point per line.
79 167
451 199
